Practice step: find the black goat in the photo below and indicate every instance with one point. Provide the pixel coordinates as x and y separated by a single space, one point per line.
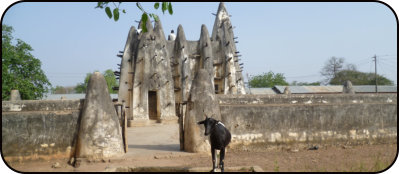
219 136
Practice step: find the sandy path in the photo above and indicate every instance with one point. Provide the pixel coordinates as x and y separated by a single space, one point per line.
158 145
154 139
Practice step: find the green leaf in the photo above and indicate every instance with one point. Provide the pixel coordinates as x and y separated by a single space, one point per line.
164 7
116 14
108 11
170 8
123 11
155 17
144 19
156 5
99 5
20 69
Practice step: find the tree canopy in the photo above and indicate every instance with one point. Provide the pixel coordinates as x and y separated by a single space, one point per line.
331 67
359 78
109 76
63 90
165 6
20 69
336 74
295 83
267 80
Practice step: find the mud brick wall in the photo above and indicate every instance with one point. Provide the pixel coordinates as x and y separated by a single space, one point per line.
276 119
44 129
39 129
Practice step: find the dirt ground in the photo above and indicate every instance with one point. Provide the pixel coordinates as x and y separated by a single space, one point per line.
158 145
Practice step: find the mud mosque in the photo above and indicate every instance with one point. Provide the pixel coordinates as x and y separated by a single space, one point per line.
156 74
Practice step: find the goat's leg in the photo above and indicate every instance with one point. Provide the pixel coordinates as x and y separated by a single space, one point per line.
221 163
213 159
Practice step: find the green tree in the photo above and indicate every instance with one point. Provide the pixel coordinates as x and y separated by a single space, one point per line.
59 90
267 80
295 83
20 69
165 6
359 78
111 80
81 87
63 90
331 67
109 76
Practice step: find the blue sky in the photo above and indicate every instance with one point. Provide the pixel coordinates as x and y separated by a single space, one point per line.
296 39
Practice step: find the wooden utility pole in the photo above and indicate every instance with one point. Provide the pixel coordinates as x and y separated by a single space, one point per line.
375 72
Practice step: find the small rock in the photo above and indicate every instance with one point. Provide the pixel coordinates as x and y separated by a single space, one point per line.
346 147
294 150
56 165
314 148
71 161
156 157
110 169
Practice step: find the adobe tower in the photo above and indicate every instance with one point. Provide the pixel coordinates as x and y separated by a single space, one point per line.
156 74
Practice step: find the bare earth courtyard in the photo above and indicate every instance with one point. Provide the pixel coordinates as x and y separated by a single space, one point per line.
158 145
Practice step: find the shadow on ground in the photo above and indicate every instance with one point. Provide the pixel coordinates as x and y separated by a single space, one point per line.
167 147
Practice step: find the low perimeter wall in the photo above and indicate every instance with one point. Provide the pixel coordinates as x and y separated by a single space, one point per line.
43 129
39 129
312 119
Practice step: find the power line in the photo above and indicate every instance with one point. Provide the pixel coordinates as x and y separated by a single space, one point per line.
392 63
389 61
364 63
387 55
65 73
362 60
80 75
389 66
385 72
66 77
375 68
312 75
391 57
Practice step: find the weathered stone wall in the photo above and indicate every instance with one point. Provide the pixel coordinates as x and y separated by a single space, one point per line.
39 129
282 119
48 128
89 128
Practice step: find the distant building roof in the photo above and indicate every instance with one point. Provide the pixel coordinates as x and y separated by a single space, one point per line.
310 89
333 89
371 88
274 90
70 96
259 91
